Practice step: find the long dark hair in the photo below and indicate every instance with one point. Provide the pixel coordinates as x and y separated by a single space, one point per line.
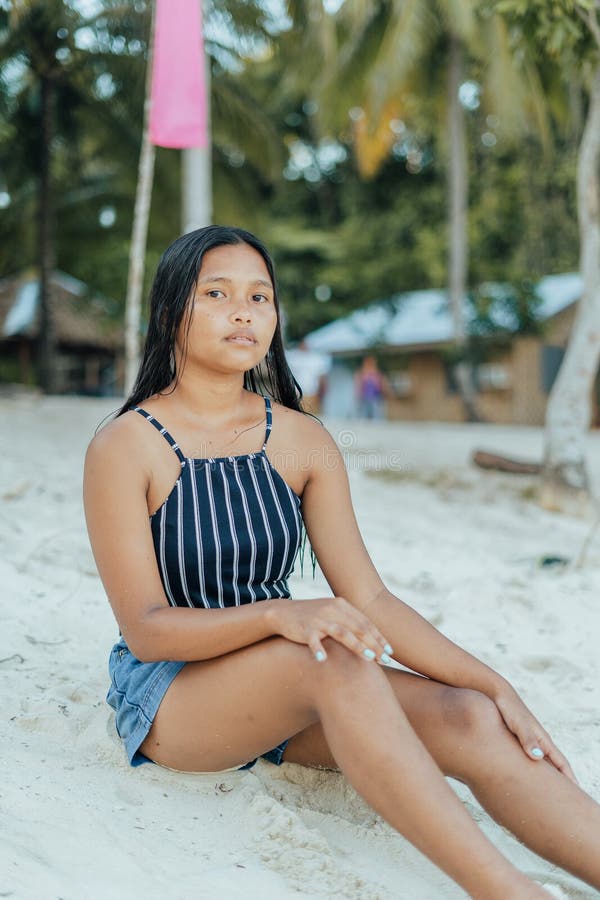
170 302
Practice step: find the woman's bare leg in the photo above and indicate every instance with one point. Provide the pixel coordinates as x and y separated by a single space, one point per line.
468 740
221 712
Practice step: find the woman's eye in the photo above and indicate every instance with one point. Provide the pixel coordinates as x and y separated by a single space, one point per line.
215 293
260 297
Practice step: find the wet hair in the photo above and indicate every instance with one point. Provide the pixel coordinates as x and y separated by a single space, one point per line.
171 304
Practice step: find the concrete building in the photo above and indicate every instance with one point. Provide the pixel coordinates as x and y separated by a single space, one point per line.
411 336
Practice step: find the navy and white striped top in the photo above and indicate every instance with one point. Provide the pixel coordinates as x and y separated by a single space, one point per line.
229 531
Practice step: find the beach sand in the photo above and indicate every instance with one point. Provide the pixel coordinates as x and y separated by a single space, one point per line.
462 546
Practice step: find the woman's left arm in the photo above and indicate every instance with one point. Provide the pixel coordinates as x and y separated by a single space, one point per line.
335 537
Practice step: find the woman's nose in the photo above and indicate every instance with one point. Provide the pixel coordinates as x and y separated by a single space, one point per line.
242 312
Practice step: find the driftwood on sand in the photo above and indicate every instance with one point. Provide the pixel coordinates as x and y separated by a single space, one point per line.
486 460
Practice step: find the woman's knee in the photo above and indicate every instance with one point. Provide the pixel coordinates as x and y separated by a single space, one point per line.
340 658
340 664
471 713
292 653
312 678
297 663
290 659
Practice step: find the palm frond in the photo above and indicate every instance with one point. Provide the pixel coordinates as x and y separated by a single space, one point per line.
505 89
372 145
537 102
239 123
308 47
346 83
405 43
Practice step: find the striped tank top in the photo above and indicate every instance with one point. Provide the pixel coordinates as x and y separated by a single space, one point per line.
229 531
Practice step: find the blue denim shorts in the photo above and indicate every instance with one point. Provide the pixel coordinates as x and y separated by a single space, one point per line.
135 693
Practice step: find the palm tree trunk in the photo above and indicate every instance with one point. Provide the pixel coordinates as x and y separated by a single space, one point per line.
137 253
458 242
47 353
565 484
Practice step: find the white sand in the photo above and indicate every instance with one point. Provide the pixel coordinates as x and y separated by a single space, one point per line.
462 546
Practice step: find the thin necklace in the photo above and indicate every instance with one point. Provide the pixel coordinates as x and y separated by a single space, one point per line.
240 433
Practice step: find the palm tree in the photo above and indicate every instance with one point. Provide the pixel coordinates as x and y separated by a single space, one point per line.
393 56
565 483
139 233
566 36
51 79
39 36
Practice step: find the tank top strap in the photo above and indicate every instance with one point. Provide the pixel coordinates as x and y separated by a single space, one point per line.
168 438
269 421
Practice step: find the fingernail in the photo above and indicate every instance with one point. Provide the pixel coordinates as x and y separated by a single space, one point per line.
384 658
387 649
320 656
537 752
369 654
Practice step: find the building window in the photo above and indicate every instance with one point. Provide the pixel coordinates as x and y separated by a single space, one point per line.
550 362
492 377
451 382
402 384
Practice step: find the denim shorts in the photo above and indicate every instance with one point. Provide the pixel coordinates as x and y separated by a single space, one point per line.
135 693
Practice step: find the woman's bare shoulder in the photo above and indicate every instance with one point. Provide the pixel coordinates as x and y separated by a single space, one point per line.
301 430
120 438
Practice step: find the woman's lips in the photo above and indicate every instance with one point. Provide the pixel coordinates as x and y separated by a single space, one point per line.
240 340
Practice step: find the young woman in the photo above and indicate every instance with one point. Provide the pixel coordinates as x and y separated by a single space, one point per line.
195 497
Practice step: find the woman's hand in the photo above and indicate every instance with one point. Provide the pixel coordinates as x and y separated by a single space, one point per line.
310 621
534 739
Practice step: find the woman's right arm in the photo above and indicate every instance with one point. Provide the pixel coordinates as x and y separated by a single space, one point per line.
116 480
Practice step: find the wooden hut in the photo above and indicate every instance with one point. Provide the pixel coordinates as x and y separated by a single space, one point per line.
89 343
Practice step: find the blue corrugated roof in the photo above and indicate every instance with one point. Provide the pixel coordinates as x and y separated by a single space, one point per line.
423 317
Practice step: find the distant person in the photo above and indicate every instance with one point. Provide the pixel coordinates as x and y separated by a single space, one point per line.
310 369
371 389
196 495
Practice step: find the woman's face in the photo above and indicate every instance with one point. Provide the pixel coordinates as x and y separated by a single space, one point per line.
233 315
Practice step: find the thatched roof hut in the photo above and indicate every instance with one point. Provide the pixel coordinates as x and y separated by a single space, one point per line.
89 342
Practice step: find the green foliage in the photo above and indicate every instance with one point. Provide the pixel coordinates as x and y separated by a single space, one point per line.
100 79
559 29
496 309
325 225
370 240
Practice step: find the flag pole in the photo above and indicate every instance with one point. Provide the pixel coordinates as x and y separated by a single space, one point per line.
196 170
139 234
175 115
196 188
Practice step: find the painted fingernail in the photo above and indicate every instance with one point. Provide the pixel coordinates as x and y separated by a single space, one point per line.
385 659
368 653
537 752
387 649
320 656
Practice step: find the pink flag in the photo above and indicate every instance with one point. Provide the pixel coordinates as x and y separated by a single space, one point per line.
178 97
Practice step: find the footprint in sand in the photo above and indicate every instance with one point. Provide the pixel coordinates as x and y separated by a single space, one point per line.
555 665
53 730
538 663
82 695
